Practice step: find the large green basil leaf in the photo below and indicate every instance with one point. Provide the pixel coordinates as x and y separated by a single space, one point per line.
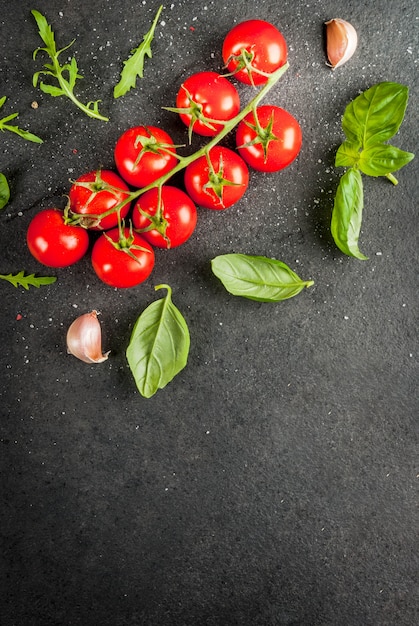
347 154
159 345
347 213
4 191
376 114
382 159
257 277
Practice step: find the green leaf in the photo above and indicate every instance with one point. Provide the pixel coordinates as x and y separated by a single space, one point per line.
382 159
26 135
257 277
46 33
347 154
56 71
28 280
134 65
8 118
347 214
51 90
376 114
4 191
159 345
22 133
15 129
73 72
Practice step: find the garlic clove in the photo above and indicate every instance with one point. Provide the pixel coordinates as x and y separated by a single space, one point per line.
341 41
84 339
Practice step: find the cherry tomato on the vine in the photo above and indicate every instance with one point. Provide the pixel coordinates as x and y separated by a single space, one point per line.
143 154
218 180
272 141
254 46
53 242
207 97
122 260
96 193
171 216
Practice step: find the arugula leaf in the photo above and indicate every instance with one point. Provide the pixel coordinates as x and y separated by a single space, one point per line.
15 129
28 280
159 345
257 277
376 114
347 213
4 191
57 71
134 65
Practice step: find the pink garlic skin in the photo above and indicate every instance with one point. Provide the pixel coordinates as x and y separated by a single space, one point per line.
341 42
84 339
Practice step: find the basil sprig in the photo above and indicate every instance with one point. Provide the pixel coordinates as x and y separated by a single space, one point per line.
159 345
368 121
257 277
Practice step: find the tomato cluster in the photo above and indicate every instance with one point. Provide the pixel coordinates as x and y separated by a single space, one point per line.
159 214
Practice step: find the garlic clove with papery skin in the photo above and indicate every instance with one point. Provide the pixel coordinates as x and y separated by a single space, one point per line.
84 339
341 42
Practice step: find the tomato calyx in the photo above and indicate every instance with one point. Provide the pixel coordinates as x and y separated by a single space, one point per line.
264 134
244 62
125 243
216 181
149 143
195 112
157 221
97 186
75 219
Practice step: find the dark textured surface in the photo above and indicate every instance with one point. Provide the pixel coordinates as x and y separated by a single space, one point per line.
273 482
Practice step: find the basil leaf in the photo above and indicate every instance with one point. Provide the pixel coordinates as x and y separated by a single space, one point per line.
4 191
159 345
257 277
347 154
347 213
381 159
376 114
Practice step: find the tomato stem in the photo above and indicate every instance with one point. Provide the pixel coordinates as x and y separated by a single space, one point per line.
184 161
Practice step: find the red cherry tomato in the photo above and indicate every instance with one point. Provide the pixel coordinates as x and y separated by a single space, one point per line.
272 142
174 220
96 193
143 154
126 264
264 47
207 95
219 181
53 242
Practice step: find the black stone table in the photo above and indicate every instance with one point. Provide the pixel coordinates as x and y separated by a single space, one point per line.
273 481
